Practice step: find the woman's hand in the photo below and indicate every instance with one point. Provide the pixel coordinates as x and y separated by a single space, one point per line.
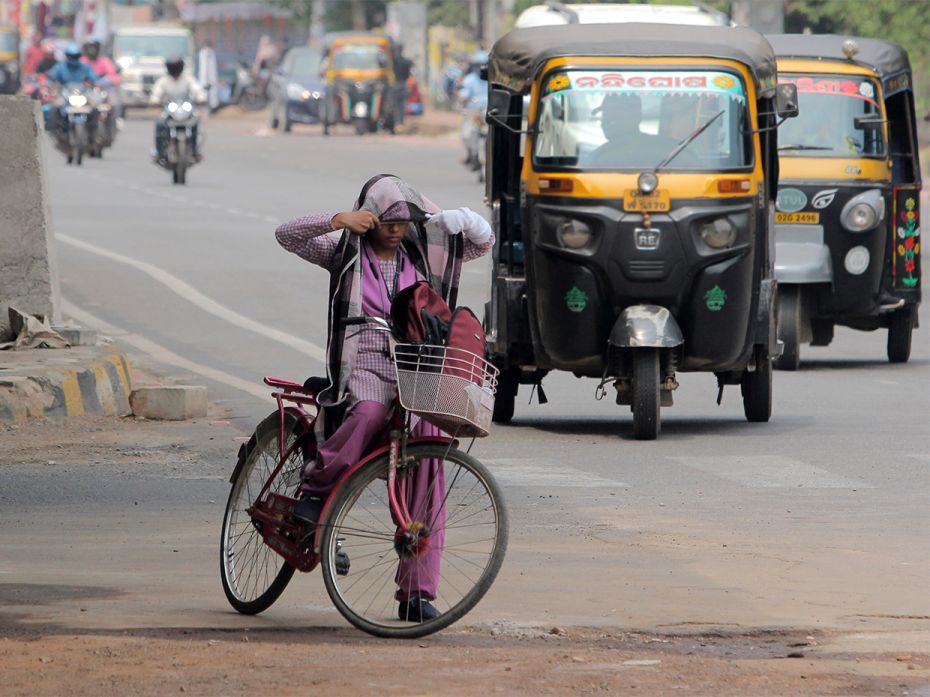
462 221
358 222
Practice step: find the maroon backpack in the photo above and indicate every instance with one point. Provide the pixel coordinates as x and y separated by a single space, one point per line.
421 316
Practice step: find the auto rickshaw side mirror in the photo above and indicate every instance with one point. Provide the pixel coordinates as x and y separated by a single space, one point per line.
786 100
871 123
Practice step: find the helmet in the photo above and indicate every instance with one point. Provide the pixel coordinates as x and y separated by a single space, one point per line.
175 66
91 49
478 58
72 53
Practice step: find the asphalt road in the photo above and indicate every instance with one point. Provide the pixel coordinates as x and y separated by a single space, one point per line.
818 519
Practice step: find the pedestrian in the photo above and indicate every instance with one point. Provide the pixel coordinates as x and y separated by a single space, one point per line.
208 74
392 238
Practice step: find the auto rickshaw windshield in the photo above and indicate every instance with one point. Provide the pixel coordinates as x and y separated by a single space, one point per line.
359 57
830 104
7 41
633 119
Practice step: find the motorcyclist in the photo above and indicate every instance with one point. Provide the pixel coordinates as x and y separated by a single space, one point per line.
176 86
47 62
72 70
100 64
473 96
67 72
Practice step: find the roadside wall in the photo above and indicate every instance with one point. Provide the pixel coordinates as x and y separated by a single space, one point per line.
28 263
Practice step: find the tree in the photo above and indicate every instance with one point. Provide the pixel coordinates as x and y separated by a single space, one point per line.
302 11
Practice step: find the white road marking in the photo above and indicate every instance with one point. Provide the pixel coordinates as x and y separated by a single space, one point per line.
522 471
163 355
271 219
195 297
922 457
770 472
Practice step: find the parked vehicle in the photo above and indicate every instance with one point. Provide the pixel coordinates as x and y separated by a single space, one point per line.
296 89
140 53
632 202
847 226
9 59
359 78
181 148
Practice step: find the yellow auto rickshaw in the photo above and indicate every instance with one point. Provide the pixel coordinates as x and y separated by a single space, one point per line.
631 171
9 59
359 74
847 230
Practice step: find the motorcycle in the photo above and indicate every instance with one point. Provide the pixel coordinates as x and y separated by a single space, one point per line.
474 135
74 119
105 126
180 149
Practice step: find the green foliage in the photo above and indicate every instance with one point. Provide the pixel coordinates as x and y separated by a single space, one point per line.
906 22
448 13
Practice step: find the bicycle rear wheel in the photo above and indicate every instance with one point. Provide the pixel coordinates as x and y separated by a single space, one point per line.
451 556
253 574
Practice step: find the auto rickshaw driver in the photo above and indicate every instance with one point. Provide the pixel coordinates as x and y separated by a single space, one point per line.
627 145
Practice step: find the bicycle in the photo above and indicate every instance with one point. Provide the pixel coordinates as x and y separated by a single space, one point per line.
372 541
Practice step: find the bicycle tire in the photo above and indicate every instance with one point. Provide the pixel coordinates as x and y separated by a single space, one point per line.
383 621
240 539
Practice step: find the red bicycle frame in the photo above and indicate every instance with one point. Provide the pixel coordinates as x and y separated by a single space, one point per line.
273 511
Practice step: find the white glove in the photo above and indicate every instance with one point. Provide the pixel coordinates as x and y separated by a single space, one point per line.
461 220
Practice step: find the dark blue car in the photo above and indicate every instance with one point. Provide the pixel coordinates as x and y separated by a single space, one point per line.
296 89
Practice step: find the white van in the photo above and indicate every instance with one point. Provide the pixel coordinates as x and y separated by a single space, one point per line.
555 13
140 53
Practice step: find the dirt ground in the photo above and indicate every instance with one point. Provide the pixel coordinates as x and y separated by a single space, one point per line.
70 658
496 660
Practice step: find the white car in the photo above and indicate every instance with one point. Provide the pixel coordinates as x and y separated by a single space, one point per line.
609 13
140 54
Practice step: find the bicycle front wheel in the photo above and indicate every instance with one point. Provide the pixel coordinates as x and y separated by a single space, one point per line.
253 574
450 555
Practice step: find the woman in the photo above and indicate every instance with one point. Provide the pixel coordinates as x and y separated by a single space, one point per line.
391 239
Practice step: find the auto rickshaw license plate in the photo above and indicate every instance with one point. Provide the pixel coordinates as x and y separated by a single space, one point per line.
798 218
656 202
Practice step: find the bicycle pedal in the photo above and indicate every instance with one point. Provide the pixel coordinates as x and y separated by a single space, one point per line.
342 563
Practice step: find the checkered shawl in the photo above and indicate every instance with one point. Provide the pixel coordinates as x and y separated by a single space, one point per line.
436 256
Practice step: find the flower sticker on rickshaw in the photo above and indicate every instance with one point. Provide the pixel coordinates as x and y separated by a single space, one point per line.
715 299
909 247
559 82
576 299
724 82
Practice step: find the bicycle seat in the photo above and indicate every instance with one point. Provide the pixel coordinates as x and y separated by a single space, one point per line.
283 384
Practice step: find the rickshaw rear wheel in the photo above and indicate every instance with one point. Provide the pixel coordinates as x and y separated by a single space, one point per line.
900 329
789 328
506 396
756 387
646 418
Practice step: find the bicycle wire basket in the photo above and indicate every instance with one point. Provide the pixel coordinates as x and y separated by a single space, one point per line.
450 387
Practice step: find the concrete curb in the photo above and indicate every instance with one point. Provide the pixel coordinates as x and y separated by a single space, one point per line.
102 386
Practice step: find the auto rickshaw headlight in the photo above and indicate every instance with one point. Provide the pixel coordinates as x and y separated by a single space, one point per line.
718 234
573 234
647 182
860 218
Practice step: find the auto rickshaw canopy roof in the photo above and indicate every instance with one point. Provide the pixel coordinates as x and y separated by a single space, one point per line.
517 57
884 57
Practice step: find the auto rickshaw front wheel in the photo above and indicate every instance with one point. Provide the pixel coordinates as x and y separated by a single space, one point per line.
756 387
789 328
645 405
505 397
900 328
